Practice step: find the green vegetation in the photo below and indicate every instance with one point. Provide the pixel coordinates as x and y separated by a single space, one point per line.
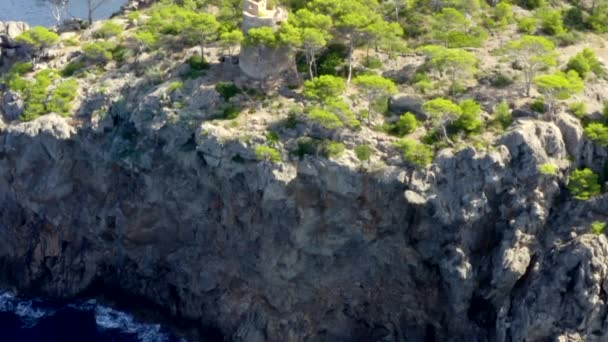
503 116
598 132
99 52
598 227
532 54
548 169
227 90
364 153
350 57
584 184
415 153
334 149
38 38
559 86
108 30
585 63
267 154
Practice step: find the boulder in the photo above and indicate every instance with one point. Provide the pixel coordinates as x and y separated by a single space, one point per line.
402 103
12 29
11 106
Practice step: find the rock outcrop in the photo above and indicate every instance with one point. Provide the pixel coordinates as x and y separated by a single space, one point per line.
312 250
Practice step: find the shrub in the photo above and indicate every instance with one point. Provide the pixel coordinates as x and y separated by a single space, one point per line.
99 52
500 80
415 153
469 120
407 124
598 19
36 95
503 115
268 154
273 138
422 82
108 30
333 61
551 22
198 63
548 169
538 106
598 132
364 153
147 39
334 149
22 68
306 146
531 4
72 68
227 90
584 184
230 112
598 227
574 19
177 85
586 62
325 118
38 37
373 63
579 109
527 25
324 87
62 96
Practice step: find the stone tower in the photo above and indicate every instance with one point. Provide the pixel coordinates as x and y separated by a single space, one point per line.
261 62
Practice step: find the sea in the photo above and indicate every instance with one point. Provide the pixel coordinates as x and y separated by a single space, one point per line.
38 12
33 319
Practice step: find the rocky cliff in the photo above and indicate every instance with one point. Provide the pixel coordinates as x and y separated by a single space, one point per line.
478 247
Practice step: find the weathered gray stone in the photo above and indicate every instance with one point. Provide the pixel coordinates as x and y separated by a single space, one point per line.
402 103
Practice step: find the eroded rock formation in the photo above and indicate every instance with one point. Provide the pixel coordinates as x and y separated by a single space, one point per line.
479 247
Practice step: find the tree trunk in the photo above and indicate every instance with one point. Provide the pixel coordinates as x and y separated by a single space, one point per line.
309 62
350 61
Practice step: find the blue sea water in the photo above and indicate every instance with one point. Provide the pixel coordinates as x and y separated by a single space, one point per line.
37 12
31 320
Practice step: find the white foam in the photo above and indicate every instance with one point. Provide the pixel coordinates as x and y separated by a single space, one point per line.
31 312
28 311
110 319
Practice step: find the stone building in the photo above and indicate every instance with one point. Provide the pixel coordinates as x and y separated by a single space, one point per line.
262 62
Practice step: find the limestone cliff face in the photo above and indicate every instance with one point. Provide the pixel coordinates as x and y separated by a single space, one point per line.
479 247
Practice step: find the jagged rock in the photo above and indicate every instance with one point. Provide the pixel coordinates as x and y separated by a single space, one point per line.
12 29
402 103
573 133
565 293
12 106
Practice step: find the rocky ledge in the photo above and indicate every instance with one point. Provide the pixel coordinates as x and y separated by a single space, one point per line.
480 246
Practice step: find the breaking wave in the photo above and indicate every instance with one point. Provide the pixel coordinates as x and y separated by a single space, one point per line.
31 312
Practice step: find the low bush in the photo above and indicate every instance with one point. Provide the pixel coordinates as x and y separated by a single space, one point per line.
108 30
548 169
73 68
62 96
334 149
584 184
268 154
99 52
415 153
227 90
598 227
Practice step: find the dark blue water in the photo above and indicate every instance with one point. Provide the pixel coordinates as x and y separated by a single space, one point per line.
37 12
26 320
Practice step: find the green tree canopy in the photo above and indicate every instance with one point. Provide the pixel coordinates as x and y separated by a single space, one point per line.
531 54
374 88
452 64
443 112
324 88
